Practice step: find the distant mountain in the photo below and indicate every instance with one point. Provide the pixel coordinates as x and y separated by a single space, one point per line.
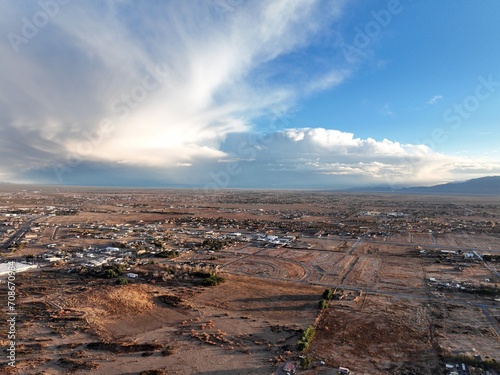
477 186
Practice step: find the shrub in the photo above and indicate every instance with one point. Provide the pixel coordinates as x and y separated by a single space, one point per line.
121 281
323 304
110 273
201 274
168 254
213 280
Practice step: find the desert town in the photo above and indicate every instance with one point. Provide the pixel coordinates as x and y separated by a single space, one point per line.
125 281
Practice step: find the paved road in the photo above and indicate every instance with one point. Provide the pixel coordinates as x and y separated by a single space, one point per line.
19 234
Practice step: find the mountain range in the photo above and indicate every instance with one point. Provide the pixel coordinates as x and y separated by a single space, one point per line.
478 186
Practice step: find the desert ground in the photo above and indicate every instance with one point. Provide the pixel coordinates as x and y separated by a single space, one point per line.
123 282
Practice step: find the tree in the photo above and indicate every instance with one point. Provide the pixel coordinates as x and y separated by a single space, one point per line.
328 294
305 363
323 304
306 338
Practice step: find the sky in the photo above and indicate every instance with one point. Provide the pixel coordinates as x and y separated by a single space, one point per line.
299 94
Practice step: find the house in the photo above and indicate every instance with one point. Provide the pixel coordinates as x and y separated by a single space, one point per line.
289 368
110 250
98 262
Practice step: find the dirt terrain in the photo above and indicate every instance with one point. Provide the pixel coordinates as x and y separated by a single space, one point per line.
179 329
413 291
380 335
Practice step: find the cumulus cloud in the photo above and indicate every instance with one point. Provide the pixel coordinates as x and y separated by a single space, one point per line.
327 157
295 158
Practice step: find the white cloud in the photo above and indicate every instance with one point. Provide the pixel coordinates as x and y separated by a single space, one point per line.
94 61
327 156
328 80
168 92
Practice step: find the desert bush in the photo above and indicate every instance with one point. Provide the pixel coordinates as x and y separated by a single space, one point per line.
201 274
122 281
168 254
110 273
213 280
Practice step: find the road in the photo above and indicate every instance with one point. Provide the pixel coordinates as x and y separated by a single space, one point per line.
486 313
494 271
437 246
19 234
358 242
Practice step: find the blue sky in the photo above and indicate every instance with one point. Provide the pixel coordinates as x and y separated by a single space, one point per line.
429 49
258 94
